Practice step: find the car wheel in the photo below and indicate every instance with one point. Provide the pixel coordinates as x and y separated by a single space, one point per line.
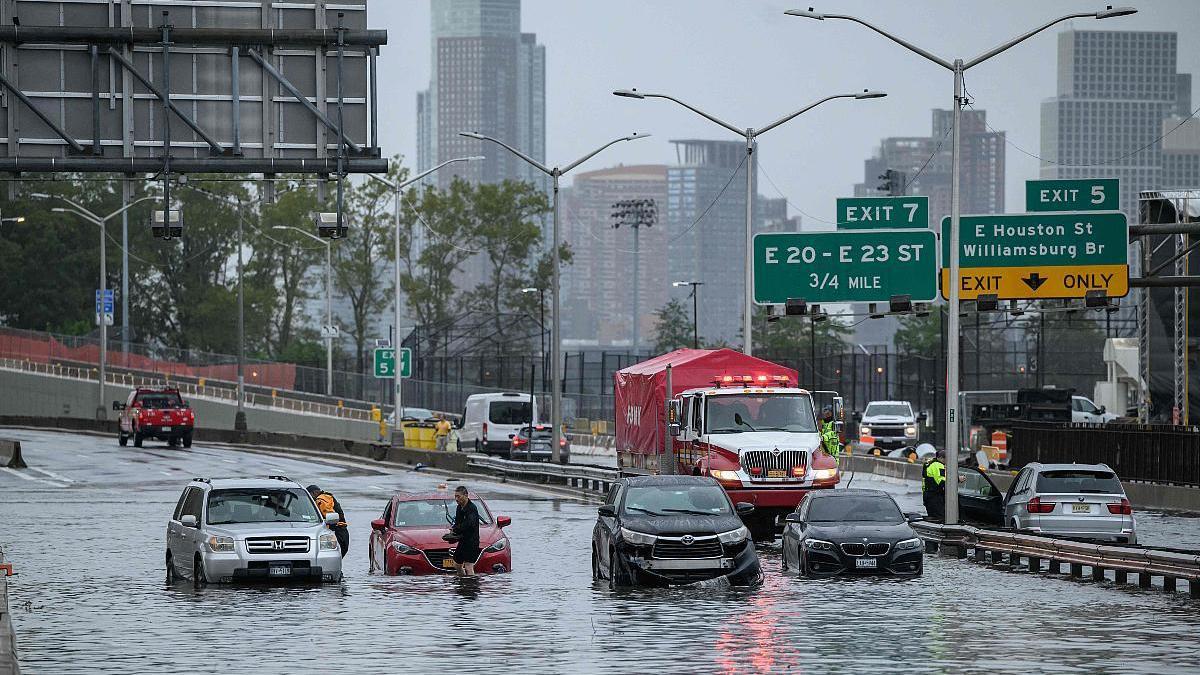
783 566
801 563
173 442
171 576
137 440
187 440
122 440
198 578
595 565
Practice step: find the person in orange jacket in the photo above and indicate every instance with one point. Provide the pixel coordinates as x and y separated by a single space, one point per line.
327 503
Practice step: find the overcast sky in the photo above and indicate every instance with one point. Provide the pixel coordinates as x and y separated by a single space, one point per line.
746 62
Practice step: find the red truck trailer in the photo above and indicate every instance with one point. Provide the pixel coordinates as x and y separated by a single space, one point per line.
742 421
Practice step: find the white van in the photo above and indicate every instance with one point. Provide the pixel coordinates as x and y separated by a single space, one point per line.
490 421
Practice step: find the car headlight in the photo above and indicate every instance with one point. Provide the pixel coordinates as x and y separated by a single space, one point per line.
818 544
500 545
329 542
720 474
220 544
908 544
637 538
734 536
864 431
825 474
911 432
404 549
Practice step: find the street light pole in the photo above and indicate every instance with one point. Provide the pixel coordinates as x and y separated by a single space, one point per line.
397 390
541 327
751 135
328 301
556 288
695 306
101 222
957 67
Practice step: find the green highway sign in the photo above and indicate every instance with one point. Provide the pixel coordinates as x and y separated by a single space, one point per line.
1089 194
385 362
847 266
1026 256
869 213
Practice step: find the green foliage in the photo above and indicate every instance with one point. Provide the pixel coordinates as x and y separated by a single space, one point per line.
796 333
673 329
920 334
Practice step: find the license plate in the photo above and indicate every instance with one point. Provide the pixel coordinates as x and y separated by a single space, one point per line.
279 571
866 563
541 446
1081 508
448 562
166 428
776 473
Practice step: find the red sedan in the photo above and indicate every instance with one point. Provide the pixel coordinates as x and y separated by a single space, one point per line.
407 538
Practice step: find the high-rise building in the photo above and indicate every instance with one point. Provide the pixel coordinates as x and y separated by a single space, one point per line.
599 284
486 76
1115 88
926 161
1180 153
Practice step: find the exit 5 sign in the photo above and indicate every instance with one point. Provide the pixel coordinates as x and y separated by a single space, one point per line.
1089 194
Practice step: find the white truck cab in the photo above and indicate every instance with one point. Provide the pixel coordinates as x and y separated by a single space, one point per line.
1084 410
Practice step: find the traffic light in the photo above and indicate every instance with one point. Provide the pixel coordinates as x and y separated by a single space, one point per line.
167 224
893 182
329 226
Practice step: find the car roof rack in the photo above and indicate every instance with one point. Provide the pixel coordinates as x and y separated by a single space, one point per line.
202 480
279 478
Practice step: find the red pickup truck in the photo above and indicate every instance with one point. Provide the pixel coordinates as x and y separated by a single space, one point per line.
155 413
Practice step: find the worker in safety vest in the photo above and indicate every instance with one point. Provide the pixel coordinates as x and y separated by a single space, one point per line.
327 503
933 486
442 431
829 433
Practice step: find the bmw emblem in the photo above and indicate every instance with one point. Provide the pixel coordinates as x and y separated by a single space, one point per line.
1080 497
687 540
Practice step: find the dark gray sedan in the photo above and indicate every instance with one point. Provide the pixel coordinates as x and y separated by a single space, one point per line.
851 532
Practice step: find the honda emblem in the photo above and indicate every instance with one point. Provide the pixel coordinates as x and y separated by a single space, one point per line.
277 545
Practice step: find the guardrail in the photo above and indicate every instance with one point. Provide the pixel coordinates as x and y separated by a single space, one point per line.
579 476
1020 551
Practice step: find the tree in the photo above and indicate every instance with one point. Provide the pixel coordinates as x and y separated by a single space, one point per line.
278 276
790 334
673 328
359 270
920 334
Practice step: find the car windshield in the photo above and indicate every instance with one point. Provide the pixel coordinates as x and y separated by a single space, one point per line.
1079 481
433 513
160 400
666 500
888 409
760 412
261 505
509 412
854 509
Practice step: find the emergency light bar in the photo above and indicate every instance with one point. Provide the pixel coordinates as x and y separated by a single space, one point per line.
733 380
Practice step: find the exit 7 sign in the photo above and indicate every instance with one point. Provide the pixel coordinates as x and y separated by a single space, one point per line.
385 362
873 213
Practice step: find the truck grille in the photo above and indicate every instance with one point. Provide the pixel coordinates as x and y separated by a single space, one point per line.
886 430
854 549
878 549
701 547
276 545
769 460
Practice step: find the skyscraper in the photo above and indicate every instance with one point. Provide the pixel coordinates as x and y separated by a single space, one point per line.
486 76
925 162
1115 88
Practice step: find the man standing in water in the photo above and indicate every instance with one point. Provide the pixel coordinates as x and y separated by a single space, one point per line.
466 528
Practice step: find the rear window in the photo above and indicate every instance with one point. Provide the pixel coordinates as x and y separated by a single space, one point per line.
509 412
160 400
1079 481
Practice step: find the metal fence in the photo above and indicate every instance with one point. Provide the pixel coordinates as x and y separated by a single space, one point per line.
1157 453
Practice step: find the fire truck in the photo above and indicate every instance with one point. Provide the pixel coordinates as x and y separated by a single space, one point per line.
719 413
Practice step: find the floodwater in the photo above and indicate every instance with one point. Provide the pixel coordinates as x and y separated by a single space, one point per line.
90 595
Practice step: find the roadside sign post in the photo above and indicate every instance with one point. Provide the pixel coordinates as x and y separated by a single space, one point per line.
385 362
104 307
869 213
1089 194
1038 256
846 266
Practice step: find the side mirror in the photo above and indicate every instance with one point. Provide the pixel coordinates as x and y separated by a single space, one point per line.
913 517
503 521
607 510
117 405
792 517
377 524
1103 410
744 508
189 521
856 416
332 518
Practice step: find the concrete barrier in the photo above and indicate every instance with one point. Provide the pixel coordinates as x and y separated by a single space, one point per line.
8 640
10 454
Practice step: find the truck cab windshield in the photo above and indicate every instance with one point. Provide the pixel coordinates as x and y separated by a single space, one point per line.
760 412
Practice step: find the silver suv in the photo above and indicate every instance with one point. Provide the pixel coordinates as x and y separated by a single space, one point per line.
242 529
1084 501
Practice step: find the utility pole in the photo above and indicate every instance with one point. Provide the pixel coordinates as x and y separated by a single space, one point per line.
635 213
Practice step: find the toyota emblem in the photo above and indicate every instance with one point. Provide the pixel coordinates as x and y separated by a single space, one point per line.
687 540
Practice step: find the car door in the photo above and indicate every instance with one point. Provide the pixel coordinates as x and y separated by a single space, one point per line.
979 499
181 542
175 528
380 540
1018 495
126 413
606 525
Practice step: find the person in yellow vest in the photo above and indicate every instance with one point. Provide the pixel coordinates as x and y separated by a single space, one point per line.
441 431
327 503
933 487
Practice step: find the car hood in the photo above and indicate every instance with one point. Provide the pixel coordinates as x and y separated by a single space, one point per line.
766 440
266 529
887 419
856 532
431 537
680 525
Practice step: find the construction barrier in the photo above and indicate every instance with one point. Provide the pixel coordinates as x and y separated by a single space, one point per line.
10 454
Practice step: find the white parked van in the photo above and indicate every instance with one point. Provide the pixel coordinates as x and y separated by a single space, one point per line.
491 420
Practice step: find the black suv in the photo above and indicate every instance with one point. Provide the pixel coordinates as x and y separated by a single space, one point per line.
663 530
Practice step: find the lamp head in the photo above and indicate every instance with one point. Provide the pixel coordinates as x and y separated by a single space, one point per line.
530 290
476 158
629 93
279 227
1110 12
634 136
471 134
39 195
806 14
865 93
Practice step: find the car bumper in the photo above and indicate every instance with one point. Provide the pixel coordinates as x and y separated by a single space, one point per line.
893 442
740 569
235 567
163 431
834 563
419 564
1124 536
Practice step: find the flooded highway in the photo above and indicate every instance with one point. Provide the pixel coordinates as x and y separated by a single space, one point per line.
85 531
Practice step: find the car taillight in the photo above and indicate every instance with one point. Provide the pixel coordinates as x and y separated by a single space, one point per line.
1036 505
1121 508
485 431
518 441
562 442
756 471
